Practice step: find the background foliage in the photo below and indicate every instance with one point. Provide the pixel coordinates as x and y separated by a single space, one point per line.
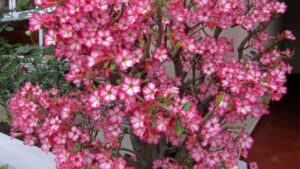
20 63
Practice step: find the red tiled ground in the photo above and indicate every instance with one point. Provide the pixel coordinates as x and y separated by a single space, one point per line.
277 136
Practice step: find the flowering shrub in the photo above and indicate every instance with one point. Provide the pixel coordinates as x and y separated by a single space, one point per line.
20 63
118 51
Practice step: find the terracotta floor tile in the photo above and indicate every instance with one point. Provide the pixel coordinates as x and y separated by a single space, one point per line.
277 138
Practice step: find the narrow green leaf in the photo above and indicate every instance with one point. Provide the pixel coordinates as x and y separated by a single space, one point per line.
153 123
179 127
154 111
171 96
219 98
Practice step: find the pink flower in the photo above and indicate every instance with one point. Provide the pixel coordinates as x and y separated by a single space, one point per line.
35 22
152 137
74 133
137 121
162 124
62 13
197 153
160 54
280 7
45 3
288 35
60 138
116 115
124 59
144 7
149 91
88 38
105 162
208 68
66 31
245 140
50 38
243 106
108 93
94 99
104 38
131 86
137 55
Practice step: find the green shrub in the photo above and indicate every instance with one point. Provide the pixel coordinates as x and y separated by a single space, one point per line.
21 63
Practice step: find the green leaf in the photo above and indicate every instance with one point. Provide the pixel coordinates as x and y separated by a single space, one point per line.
219 98
119 81
22 4
77 147
178 44
2 27
153 123
4 116
23 49
179 127
113 66
186 106
171 96
4 167
154 111
138 75
2 78
9 29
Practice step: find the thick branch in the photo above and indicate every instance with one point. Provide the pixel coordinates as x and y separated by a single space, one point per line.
145 152
135 164
160 24
147 40
185 4
177 62
127 150
217 32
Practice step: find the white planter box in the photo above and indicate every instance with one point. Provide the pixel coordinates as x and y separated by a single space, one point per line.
19 156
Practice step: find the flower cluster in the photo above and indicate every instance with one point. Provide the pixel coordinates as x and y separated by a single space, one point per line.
120 53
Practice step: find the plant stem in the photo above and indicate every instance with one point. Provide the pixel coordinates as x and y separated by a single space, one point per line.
248 38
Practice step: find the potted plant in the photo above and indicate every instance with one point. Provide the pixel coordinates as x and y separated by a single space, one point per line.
128 110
